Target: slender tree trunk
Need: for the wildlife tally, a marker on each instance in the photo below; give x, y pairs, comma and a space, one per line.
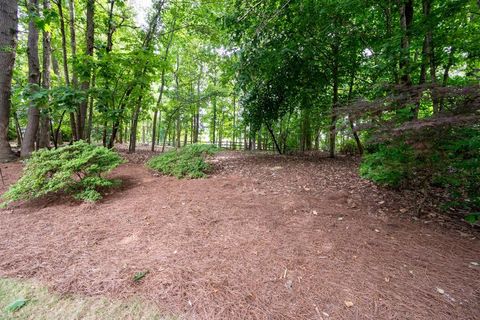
8, 46
73, 46
269, 128
406, 20
350, 119
44, 132
234, 122
28, 145
133, 129
197, 111
83, 132
333, 121
214, 103
90, 114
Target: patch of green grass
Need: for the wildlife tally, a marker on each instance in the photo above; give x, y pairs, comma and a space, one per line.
187, 162
41, 304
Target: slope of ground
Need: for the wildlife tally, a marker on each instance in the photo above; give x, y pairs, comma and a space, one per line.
265, 237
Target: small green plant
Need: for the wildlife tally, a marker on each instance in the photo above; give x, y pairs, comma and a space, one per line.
75, 169
137, 277
390, 165
187, 162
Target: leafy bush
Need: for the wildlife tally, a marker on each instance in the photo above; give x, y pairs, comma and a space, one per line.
187, 162
448, 159
389, 165
75, 169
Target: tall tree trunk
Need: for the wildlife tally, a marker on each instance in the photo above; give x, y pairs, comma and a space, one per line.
28, 144
44, 132
197, 111
82, 131
8, 47
214, 103
406, 20
90, 114
350, 119
333, 120
234, 122
133, 128
73, 47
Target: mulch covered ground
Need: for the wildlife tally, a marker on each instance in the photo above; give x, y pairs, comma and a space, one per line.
264, 237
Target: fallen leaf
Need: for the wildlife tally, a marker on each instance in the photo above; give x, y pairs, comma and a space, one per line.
441, 291
139, 276
16, 305
349, 304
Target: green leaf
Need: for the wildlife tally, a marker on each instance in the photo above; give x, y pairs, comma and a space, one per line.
139, 276
16, 305
473, 217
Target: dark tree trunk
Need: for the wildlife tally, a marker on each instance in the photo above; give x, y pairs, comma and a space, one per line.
28, 145
333, 121
406, 20
44, 132
83, 132
8, 41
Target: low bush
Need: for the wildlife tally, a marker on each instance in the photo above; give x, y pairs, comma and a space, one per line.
187, 162
75, 169
448, 159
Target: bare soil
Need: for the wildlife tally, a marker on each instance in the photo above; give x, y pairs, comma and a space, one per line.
264, 237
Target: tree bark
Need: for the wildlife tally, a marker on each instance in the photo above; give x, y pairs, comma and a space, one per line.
44, 132
28, 145
8, 46
406, 20
333, 120
82, 130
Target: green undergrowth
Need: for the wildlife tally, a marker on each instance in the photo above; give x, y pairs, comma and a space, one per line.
75, 169
22, 300
187, 162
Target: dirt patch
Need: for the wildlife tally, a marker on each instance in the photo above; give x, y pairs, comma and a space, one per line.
265, 237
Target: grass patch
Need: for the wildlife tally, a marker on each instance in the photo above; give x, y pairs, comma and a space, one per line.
44, 305
187, 162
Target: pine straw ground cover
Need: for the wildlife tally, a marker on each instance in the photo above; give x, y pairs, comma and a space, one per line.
263, 237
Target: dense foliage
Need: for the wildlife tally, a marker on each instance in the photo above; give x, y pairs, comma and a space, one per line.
187, 162
76, 169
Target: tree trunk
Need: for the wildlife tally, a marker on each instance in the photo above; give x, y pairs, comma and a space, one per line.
73, 47
133, 129
333, 122
28, 145
406, 20
90, 115
83, 133
44, 132
8, 43
197, 111
234, 122
214, 103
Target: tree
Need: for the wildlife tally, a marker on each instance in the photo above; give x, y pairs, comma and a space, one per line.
28, 145
8, 43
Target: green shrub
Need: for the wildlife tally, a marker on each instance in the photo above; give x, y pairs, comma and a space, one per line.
187, 162
75, 169
448, 159
389, 165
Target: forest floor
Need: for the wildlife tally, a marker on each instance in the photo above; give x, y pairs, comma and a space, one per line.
263, 237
